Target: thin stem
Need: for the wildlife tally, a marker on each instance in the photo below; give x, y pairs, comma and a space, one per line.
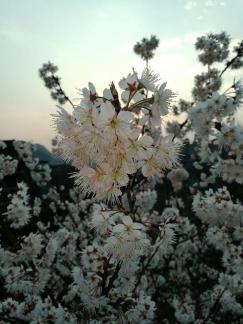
69, 101
105, 275
228, 89
181, 126
213, 311
105, 99
131, 95
228, 65
139, 103
144, 268
12, 320
61, 90
187, 239
113, 278
129, 198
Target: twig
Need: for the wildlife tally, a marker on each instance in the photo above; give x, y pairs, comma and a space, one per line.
140, 103
144, 268
61, 90
129, 198
228, 65
181, 126
13, 320
213, 311
113, 278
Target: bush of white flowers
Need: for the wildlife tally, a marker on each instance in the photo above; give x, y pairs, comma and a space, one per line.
152, 229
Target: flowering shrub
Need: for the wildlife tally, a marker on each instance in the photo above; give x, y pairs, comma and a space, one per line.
152, 230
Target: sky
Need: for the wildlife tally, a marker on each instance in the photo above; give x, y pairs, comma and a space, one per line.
93, 41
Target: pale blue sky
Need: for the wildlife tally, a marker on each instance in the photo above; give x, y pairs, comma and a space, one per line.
92, 41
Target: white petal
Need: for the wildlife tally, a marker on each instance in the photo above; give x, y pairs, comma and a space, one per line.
107, 112
125, 95
127, 220
85, 92
134, 134
162, 87
125, 116
119, 228
138, 226
92, 88
123, 84
107, 94
145, 140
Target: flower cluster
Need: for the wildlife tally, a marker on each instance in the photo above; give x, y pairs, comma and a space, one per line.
214, 48
8, 166
41, 173
217, 208
18, 211
109, 143
146, 47
177, 176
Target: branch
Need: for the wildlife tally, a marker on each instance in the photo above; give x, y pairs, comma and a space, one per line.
113, 278
144, 268
13, 320
62, 91
228, 64
140, 103
181, 126
213, 311
129, 198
